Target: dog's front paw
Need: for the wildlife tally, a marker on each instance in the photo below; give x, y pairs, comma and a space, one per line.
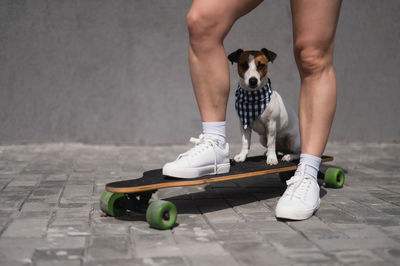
271, 159
287, 158
241, 157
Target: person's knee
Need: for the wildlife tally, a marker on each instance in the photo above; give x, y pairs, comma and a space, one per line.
312, 59
203, 26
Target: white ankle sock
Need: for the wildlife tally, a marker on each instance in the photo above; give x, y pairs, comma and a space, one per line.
216, 130
312, 165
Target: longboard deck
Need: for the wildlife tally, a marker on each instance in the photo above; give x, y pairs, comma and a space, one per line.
154, 179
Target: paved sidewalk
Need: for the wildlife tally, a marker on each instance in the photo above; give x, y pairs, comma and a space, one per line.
49, 212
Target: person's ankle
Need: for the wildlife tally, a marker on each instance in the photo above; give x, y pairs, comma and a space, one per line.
217, 131
311, 163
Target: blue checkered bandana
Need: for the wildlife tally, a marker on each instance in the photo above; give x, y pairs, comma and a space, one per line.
251, 104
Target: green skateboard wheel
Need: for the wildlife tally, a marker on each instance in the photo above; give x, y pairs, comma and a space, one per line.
334, 178
113, 203
161, 214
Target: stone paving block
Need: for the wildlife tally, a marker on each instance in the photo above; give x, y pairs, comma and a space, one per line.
84, 166
357, 210
37, 206
335, 216
3, 223
20, 228
355, 243
185, 234
15, 262
383, 220
46, 166
148, 244
390, 197
164, 261
291, 246
218, 211
68, 230
108, 247
19, 249
226, 215
3, 164
191, 220
6, 213
389, 254
55, 184
393, 231
313, 258
76, 194
246, 205
7, 203
77, 215
221, 260
260, 226
130, 166
46, 194
360, 230
24, 191
55, 177
315, 228
81, 179
255, 253
202, 249
233, 236
65, 242
40, 215
58, 256
391, 210
114, 262
109, 229
24, 181
259, 216
4, 183
98, 217
358, 256
280, 235
58, 263
395, 188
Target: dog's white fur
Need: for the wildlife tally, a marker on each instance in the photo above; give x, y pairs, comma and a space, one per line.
278, 125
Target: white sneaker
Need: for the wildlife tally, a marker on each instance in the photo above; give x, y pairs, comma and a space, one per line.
205, 158
301, 198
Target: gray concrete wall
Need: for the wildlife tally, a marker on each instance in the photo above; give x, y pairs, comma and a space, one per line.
116, 71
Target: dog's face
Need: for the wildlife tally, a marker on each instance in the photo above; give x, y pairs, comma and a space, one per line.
252, 66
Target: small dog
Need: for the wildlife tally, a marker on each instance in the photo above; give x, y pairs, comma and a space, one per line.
262, 109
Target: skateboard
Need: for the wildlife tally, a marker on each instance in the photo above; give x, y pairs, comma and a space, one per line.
135, 194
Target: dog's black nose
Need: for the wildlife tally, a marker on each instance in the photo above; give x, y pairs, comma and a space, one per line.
253, 82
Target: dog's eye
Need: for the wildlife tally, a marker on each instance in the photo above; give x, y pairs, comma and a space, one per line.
245, 65
260, 66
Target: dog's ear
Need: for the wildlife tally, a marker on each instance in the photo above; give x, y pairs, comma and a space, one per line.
234, 57
269, 54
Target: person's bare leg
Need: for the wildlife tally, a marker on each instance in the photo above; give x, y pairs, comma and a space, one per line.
314, 26
208, 23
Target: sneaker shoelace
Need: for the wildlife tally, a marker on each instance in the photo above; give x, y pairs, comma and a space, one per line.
298, 185
201, 144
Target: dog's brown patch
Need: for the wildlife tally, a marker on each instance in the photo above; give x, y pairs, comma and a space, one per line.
260, 60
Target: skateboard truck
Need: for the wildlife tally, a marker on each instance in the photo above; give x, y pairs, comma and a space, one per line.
159, 214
